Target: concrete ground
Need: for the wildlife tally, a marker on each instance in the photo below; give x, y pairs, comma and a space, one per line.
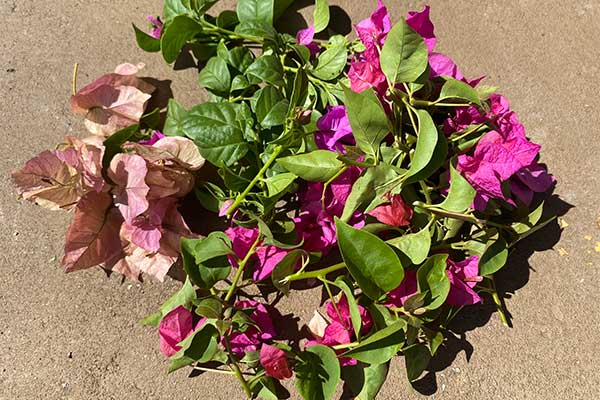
76, 337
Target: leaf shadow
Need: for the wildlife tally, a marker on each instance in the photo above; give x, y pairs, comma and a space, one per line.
508, 280
293, 20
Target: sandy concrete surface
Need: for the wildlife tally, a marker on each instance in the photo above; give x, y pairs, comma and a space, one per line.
76, 337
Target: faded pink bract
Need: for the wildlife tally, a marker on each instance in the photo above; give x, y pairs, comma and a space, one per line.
113, 101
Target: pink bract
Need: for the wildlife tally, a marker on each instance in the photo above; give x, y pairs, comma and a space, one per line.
421, 23
407, 288
394, 213
251, 339
275, 362
463, 277
334, 130
176, 326
339, 330
305, 37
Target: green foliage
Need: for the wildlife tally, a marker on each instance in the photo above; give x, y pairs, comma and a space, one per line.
218, 129
318, 373
176, 34
145, 41
381, 346
431, 277
316, 166
371, 262
370, 123
205, 260
215, 76
404, 54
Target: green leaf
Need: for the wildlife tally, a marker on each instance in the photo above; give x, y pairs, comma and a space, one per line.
145, 41
279, 183
255, 11
174, 8
532, 219
271, 107
415, 245
150, 120
202, 6
286, 267
112, 144
218, 131
175, 116
209, 307
176, 34
321, 15
256, 29
370, 124
267, 68
268, 388
318, 374
455, 89
404, 55
239, 58
494, 257
316, 166
365, 188
435, 340
427, 142
372, 263
365, 381
199, 347
239, 82
417, 359
461, 193
299, 91
381, 346
215, 76
346, 287
279, 8
432, 276
331, 62
227, 19
205, 260
183, 297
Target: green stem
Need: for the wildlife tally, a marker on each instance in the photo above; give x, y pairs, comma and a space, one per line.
315, 274
310, 77
236, 368
331, 298
425, 192
344, 346
219, 371
333, 178
468, 132
498, 303
232, 35
426, 103
240, 198
240, 270
455, 215
410, 114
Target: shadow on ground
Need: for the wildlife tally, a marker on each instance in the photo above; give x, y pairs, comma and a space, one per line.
508, 280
